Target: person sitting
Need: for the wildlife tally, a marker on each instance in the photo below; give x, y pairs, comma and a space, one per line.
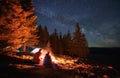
47, 61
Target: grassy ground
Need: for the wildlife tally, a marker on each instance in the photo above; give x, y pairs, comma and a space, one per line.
12, 67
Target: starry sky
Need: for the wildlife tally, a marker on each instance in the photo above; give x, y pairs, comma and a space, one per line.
99, 19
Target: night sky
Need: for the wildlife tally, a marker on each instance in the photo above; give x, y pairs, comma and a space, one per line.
99, 19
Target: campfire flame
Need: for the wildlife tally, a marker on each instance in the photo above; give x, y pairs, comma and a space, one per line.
62, 61
42, 56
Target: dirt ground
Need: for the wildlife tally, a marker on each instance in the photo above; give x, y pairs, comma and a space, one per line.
11, 67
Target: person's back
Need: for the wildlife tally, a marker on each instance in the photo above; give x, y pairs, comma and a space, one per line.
47, 60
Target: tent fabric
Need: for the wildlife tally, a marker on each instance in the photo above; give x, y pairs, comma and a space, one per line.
36, 58
35, 50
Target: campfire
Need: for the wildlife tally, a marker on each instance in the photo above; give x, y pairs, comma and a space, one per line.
60, 61
43, 54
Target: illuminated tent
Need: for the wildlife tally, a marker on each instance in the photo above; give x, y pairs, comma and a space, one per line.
37, 53
41, 56
35, 50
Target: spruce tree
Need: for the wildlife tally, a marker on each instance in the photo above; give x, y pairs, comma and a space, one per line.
18, 20
54, 41
40, 35
67, 43
45, 35
60, 44
79, 43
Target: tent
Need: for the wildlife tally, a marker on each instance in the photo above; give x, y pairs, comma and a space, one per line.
35, 50
28, 49
37, 53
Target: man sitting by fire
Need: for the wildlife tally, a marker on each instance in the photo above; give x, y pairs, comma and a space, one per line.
44, 58
47, 61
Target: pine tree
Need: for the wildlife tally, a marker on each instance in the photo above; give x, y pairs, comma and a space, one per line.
54, 41
60, 44
67, 43
45, 35
40, 35
48, 47
19, 21
79, 44
85, 49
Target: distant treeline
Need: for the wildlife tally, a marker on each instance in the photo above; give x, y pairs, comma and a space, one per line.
67, 44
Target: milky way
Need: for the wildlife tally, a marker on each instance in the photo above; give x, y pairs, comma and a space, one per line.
99, 19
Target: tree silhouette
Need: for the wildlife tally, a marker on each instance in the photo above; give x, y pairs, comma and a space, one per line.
60, 44
67, 43
75, 45
40, 35
54, 41
45, 35
79, 45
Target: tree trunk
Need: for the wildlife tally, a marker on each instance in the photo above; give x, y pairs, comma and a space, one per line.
24, 47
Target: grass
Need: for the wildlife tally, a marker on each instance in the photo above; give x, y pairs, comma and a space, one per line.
13, 66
